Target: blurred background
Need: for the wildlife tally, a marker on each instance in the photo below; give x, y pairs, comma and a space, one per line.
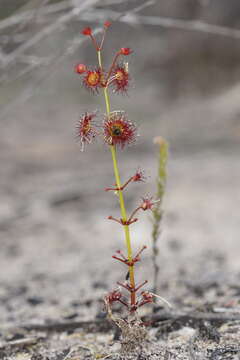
56, 243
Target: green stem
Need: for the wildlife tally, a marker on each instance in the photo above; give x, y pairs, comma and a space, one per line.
121, 202
107, 101
120, 195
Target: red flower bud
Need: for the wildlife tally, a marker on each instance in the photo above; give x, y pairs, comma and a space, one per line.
107, 24
125, 51
80, 68
87, 31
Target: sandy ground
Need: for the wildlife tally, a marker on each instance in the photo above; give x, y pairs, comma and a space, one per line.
56, 242
56, 246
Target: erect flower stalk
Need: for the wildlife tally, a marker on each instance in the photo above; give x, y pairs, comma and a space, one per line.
117, 132
120, 190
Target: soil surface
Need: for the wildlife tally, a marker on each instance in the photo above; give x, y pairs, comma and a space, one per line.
56, 241
56, 248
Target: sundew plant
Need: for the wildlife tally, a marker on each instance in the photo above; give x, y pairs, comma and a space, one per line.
117, 132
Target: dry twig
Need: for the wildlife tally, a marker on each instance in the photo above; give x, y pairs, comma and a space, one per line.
21, 343
9, 59
77, 41
171, 23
